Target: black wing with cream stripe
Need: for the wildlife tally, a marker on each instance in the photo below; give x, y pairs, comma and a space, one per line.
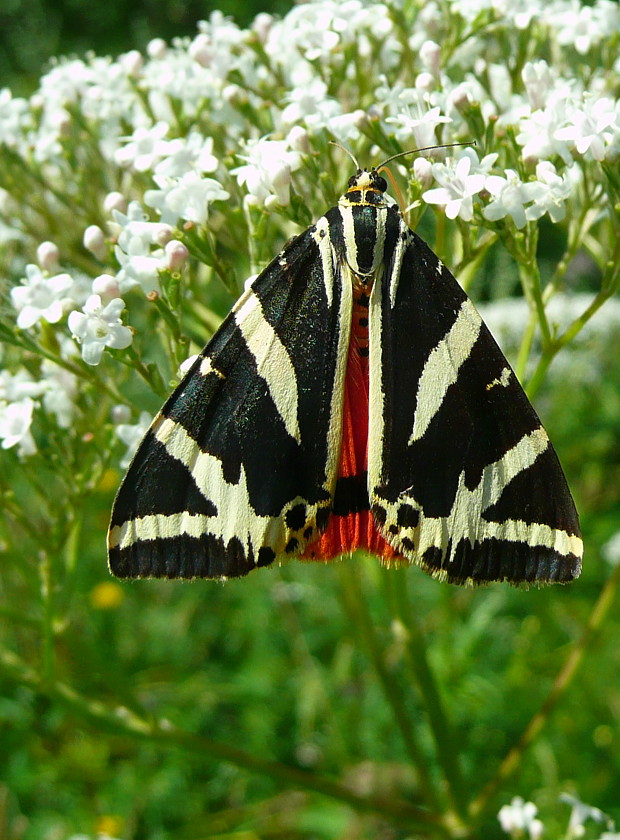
240, 465
463, 478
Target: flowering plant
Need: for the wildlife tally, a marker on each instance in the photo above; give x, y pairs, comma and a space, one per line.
138, 193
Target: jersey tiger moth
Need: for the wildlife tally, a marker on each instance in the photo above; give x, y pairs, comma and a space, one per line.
352, 399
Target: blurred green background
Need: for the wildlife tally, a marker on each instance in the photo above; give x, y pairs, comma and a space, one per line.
33, 31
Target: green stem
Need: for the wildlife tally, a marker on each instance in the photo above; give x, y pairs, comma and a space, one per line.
24, 341
417, 662
122, 721
47, 598
559, 688
567, 336
530, 279
526, 347
355, 603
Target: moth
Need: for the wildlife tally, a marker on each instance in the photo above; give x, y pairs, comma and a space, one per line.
352, 399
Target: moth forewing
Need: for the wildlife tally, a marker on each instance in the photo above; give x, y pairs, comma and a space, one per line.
352, 399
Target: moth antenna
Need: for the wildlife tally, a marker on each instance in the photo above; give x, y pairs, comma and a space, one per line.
423, 149
346, 151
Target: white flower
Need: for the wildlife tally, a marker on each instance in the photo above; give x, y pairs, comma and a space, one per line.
520, 12
61, 389
346, 127
187, 197
457, 190
98, 326
582, 26
423, 171
430, 54
580, 812
419, 121
156, 48
94, 241
145, 148
588, 129
311, 105
318, 31
106, 286
140, 249
131, 435
520, 816
538, 80
15, 387
268, 170
194, 152
115, 201
610, 551
551, 194
298, 139
40, 297
538, 131
15, 116
15, 422
510, 195
186, 364
48, 256
175, 255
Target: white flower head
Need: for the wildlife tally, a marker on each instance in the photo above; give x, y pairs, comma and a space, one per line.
61, 389
346, 127
40, 297
15, 422
551, 193
583, 26
458, 187
538, 132
592, 127
538, 80
140, 249
310, 104
510, 195
268, 170
131, 434
610, 551
184, 154
423, 171
520, 817
186, 364
145, 148
580, 812
17, 386
187, 197
106, 286
94, 240
98, 326
48, 256
419, 121
176, 255
430, 54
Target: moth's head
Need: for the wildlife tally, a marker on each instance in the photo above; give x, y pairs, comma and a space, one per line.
365, 179
365, 187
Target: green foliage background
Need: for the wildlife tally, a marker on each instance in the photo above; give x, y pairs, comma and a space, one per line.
33, 31
302, 702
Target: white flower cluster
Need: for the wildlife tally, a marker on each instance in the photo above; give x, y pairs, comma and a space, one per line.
194, 143
520, 820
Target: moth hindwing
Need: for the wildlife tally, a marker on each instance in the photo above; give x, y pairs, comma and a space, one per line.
353, 398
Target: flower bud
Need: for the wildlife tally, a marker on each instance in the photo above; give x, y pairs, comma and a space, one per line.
94, 241
48, 256
176, 255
